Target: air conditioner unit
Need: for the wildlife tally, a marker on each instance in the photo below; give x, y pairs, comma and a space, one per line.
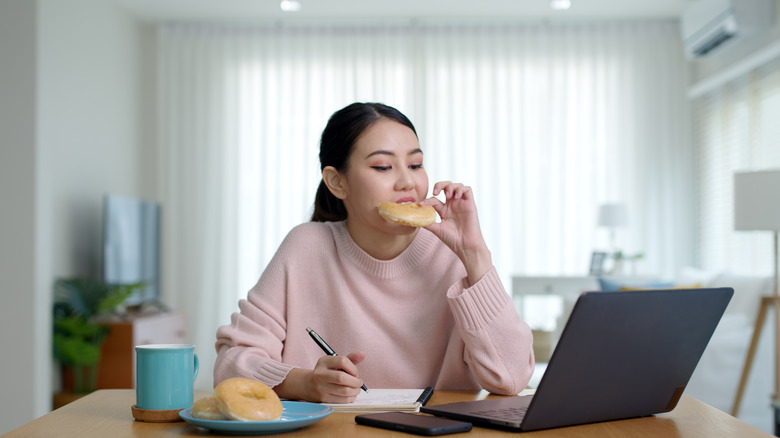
710, 25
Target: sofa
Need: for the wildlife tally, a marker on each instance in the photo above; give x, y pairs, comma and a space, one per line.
717, 376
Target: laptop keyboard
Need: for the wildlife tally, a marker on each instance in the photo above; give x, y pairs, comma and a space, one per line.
508, 414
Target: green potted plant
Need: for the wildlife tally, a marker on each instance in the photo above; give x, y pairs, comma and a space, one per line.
78, 337
620, 259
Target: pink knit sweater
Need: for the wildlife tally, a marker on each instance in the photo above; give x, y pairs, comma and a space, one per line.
414, 317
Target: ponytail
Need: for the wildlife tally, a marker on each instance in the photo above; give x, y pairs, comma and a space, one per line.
327, 208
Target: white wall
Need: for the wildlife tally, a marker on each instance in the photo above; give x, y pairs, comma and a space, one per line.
89, 122
20, 332
71, 106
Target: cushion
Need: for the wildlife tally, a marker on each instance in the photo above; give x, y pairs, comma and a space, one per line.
748, 291
657, 286
614, 285
691, 275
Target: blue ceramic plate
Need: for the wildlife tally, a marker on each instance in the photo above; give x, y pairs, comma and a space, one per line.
294, 416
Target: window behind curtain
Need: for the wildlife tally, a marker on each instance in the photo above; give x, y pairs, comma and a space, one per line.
737, 128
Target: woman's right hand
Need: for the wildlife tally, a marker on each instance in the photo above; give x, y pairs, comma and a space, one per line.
334, 379
459, 227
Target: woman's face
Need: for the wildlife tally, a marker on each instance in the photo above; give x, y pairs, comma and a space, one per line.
386, 164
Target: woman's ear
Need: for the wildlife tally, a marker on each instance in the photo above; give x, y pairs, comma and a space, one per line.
335, 182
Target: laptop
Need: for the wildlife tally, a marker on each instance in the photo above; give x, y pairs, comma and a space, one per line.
621, 355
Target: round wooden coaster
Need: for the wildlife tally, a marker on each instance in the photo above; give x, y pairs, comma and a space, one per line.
156, 416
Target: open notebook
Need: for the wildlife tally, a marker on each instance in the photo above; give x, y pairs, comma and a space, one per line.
386, 400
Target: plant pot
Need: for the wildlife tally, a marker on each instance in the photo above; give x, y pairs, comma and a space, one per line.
61, 399
79, 379
777, 418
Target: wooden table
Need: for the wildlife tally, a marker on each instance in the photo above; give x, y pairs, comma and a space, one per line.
106, 413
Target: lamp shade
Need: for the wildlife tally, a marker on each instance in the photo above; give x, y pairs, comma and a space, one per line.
757, 200
613, 215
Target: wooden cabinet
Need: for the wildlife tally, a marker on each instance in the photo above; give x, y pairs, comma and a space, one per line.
117, 364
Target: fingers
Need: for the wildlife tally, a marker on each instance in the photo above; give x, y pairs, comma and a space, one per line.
452, 191
458, 199
336, 378
356, 358
342, 364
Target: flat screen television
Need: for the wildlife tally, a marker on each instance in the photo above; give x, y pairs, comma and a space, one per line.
131, 245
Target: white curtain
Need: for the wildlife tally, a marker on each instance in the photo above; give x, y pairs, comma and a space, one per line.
737, 129
545, 122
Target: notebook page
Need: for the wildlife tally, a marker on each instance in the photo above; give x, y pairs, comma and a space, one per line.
382, 400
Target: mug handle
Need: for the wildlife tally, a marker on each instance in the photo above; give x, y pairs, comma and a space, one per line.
196, 368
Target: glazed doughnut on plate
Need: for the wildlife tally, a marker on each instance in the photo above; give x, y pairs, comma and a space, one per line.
245, 399
407, 213
207, 409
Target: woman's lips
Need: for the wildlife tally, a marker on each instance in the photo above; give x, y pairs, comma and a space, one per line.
406, 199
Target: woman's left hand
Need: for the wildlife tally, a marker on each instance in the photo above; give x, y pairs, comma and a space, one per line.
459, 227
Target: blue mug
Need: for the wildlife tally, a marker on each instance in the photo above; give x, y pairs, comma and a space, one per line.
165, 375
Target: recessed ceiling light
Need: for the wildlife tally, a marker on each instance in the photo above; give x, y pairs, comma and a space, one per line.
560, 4
290, 5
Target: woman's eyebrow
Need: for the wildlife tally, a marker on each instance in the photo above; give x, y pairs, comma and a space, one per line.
385, 152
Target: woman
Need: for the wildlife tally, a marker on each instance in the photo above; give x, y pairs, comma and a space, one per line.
417, 307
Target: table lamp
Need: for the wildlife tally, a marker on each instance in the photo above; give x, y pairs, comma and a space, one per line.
757, 207
613, 216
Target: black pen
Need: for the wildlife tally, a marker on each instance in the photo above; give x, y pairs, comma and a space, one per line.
425, 396
326, 348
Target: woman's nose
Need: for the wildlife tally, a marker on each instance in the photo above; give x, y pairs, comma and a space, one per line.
405, 180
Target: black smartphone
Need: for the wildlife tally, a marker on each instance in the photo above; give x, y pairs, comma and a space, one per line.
413, 423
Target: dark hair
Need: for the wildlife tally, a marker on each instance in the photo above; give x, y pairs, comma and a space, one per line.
344, 127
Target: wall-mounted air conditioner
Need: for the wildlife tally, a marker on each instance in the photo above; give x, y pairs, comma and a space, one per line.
710, 25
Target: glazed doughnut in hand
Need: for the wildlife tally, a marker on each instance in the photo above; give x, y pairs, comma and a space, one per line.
407, 213
247, 400
206, 408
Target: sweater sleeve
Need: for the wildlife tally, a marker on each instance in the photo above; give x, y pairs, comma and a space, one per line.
498, 344
252, 345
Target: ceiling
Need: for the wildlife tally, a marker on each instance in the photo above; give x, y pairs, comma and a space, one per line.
232, 10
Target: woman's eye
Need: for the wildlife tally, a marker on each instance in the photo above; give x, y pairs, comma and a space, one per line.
416, 166
381, 168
